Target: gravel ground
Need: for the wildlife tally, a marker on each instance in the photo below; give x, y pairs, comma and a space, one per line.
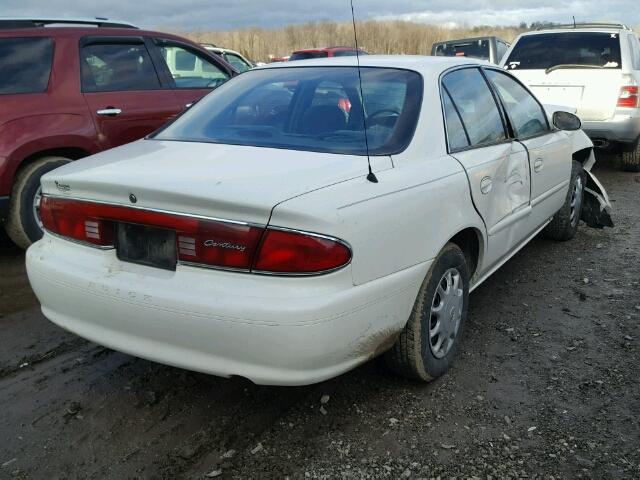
546, 386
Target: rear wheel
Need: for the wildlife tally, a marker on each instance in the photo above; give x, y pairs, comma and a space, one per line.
631, 159
23, 222
429, 342
565, 223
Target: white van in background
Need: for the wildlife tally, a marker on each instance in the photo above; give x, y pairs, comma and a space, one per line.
593, 68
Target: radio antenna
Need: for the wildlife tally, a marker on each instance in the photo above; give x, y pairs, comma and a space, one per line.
370, 176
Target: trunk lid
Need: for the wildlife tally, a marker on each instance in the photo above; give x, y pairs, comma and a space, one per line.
592, 92
224, 181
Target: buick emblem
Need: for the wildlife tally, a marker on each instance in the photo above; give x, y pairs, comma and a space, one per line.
62, 187
133, 198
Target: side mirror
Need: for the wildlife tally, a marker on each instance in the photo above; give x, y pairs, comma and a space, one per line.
566, 121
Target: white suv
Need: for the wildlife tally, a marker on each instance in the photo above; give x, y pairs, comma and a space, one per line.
593, 68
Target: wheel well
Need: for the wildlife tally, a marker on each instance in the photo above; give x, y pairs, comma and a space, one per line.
582, 155
469, 242
72, 153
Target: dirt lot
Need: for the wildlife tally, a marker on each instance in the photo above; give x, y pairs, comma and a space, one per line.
546, 387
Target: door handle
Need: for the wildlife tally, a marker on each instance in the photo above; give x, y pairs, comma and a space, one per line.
109, 112
486, 184
537, 165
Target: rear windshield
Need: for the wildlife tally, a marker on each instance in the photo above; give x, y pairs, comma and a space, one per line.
25, 64
544, 51
307, 55
473, 48
308, 108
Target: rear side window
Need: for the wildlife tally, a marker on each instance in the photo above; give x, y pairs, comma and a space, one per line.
478, 109
456, 136
572, 49
526, 115
117, 67
25, 65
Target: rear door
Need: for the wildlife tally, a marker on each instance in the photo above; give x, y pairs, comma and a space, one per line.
122, 89
190, 73
496, 165
549, 149
582, 70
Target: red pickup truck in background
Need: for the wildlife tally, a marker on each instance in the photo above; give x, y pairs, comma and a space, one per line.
69, 91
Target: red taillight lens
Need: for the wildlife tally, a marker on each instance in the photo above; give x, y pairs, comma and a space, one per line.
200, 241
300, 253
629, 97
70, 219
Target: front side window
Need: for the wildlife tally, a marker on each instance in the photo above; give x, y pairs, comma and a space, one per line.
501, 49
117, 67
315, 109
190, 69
25, 65
473, 98
527, 117
569, 50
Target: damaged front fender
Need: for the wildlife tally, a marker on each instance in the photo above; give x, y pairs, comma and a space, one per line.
596, 209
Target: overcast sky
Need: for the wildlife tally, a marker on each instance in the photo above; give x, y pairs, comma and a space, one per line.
229, 14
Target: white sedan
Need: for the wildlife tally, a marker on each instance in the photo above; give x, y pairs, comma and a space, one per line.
282, 231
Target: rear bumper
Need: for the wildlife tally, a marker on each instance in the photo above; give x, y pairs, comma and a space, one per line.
624, 128
272, 330
4, 208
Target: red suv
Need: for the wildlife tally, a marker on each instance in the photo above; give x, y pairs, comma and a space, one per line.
69, 91
325, 53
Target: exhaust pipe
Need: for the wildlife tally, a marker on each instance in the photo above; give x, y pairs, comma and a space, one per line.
600, 143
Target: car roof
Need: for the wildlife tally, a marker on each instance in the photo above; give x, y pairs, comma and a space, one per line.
470, 39
407, 62
602, 29
326, 49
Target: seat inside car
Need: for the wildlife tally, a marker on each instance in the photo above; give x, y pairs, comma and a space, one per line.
323, 119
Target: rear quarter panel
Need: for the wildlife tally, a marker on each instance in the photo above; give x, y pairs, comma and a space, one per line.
403, 220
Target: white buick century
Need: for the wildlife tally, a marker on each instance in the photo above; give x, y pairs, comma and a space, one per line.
308, 216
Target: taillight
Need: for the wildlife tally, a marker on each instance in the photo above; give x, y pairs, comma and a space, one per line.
201, 241
70, 219
629, 97
291, 252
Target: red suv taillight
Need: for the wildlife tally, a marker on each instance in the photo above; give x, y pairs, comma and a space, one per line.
629, 97
201, 241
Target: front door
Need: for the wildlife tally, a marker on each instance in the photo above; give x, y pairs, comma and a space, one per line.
123, 90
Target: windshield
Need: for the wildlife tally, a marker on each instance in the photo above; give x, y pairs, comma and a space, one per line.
464, 48
308, 108
544, 51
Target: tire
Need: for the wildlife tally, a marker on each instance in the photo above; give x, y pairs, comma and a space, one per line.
564, 224
414, 356
22, 223
630, 160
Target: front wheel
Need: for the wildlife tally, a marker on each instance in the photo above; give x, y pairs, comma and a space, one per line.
23, 223
564, 224
428, 344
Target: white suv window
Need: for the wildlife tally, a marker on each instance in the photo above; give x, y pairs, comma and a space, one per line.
543, 51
